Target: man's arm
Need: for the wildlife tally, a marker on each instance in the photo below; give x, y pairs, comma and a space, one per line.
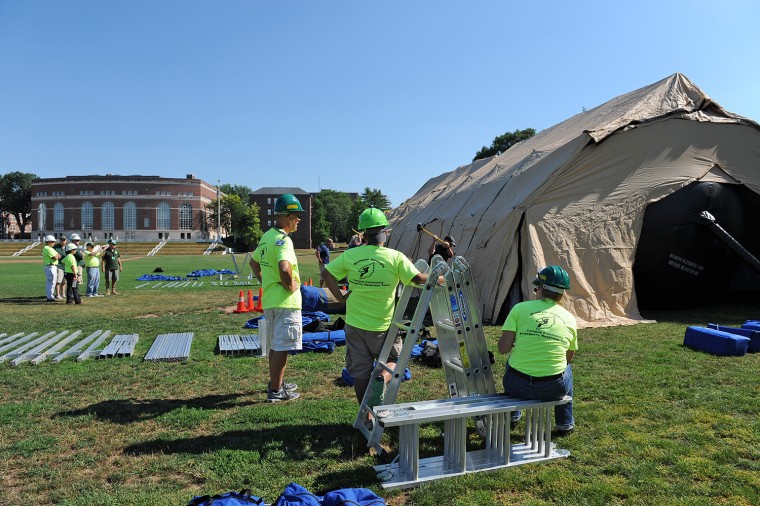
431, 249
319, 258
569, 355
506, 341
332, 285
286, 276
256, 269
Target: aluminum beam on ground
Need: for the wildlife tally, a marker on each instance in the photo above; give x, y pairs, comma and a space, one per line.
20, 350
170, 348
55, 349
92, 350
77, 348
34, 352
140, 286
18, 342
157, 284
122, 345
127, 348
10, 338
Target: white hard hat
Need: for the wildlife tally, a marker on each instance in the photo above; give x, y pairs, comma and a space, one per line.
49, 238
70, 247
75, 237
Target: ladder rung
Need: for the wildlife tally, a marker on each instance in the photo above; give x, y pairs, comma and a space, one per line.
385, 367
402, 326
445, 325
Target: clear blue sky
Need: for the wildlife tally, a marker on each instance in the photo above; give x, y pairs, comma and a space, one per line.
336, 94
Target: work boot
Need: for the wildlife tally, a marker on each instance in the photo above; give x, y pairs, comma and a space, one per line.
281, 395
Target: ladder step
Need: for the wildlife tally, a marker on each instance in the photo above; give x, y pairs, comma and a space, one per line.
385, 367
402, 326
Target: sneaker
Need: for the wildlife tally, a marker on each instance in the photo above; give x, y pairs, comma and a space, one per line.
281, 395
97, 295
290, 387
563, 432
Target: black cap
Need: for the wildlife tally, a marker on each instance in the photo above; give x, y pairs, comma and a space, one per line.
450, 240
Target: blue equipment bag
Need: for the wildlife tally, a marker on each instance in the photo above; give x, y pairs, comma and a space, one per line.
754, 340
716, 341
295, 495
242, 498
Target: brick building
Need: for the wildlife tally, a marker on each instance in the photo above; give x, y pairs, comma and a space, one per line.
136, 208
265, 198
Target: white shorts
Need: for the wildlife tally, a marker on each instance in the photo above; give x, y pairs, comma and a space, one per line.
284, 329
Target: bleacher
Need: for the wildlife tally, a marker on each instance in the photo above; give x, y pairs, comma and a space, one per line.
9, 248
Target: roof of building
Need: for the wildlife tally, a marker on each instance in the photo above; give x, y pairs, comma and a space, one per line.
279, 190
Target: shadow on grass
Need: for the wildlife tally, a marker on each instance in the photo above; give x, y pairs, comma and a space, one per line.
27, 301
296, 443
134, 410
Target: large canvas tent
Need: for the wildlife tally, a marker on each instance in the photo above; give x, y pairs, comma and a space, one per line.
576, 195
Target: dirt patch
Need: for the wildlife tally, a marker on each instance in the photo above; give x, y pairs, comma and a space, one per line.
149, 315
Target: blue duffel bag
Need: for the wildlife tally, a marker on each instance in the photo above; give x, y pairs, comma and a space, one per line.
716, 341
242, 498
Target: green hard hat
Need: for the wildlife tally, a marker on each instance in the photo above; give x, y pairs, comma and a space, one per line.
372, 218
553, 275
287, 203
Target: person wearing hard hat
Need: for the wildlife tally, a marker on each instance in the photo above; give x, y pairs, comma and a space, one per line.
50, 265
274, 264
373, 273
111, 266
92, 265
542, 338
73, 275
60, 284
79, 255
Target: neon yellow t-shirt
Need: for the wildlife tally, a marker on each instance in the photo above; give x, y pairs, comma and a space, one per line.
48, 255
544, 331
91, 259
69, 262
373, 273
274, 246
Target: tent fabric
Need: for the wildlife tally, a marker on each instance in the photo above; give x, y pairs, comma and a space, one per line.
575, 195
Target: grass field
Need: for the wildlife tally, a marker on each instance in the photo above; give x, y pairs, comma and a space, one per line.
657, 423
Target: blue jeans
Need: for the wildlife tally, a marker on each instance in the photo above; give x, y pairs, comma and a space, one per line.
93, 280
551, 390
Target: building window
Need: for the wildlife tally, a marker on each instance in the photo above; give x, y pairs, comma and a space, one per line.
269, 212
269, 223
269, 200
86, 216
42, 217
146, 223
58, 216
163, 216
186, 216
106, 216
130, 216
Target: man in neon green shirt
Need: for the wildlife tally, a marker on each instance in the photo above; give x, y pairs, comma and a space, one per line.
373, 273
275, 265
92, 264
50, 265
542, 336
73, 274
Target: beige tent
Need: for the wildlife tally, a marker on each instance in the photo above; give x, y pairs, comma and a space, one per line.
575, 195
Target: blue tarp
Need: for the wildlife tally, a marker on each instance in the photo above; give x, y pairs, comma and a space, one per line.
209, 272
159, 277
294, 494
313, 298
322, 341
306, 318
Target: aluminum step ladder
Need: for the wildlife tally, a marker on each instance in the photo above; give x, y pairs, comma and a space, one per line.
408, 330
461, 341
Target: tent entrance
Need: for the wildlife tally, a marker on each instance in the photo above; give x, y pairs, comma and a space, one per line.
680, 262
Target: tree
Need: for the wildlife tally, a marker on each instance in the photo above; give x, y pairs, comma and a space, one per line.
239, 219
240, 190
332, 216
503, 142
16, 196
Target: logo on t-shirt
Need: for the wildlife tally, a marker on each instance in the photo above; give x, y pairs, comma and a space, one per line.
262, 252
366, 271
545, 322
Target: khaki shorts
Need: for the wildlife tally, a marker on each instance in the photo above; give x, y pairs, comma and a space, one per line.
60, 280
284, 329
363, 347
112, 275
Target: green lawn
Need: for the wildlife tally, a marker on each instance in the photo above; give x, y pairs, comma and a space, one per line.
657, 423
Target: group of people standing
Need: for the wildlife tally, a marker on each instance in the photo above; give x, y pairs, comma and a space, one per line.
540, 335
66, 261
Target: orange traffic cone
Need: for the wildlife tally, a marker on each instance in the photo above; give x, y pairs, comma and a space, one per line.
249, 306
259, 308
241, 304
